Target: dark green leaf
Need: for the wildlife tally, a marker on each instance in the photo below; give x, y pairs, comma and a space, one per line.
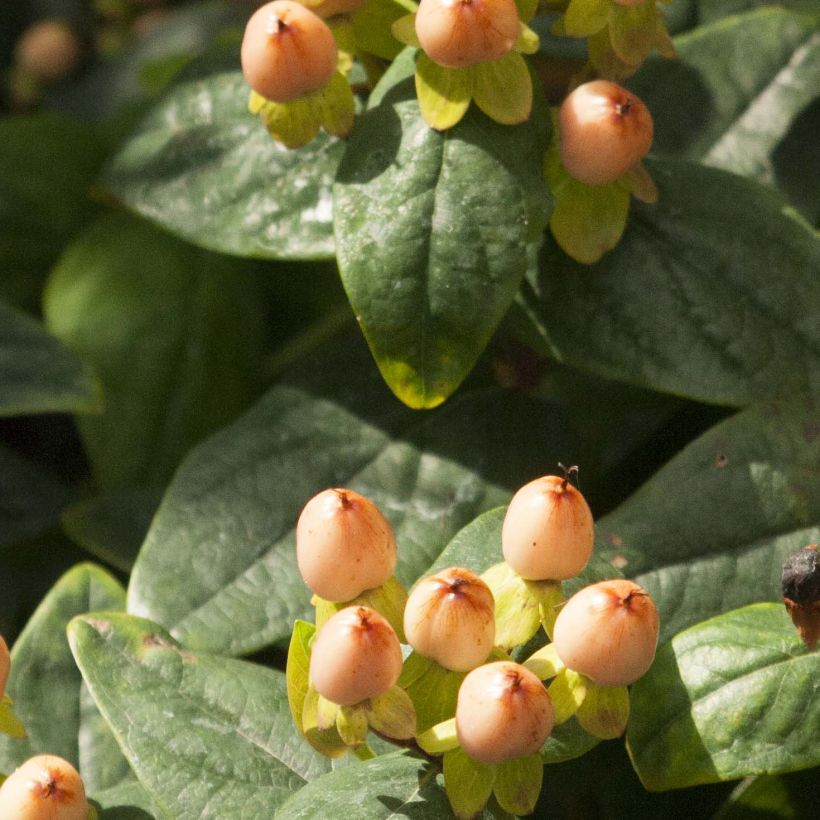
30, 499
207, 736
733, 696
37, 374
710, 531
773, 797
394, 785
47, 688
713, 293
127, 801
432, 231
204, 168
218, 567
47, 165
174, 332
112, 526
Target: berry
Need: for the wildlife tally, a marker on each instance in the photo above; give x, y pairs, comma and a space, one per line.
548, 530
49, 51
503, 712
801, 593
458, 33
45, 787
608, 631
5, 664
344, 545
355, 656
449, 617
605, 130
287, 52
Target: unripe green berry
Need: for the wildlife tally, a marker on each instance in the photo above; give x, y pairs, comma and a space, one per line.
45, 787
548, 530
608, 631
503, 712
287, 52
355, 656
459, 33
605, 130
344, 545
450, 617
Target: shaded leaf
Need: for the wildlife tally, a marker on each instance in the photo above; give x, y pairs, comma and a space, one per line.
174, 332
37, 374
204, 734
204, 168
729, 697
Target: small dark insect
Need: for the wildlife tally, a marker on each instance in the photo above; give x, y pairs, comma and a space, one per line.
801, 592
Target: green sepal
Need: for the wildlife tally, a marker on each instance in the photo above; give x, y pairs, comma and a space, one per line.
544, 663
393, 714
92, 813
502, 89
351, 724
372, 26
640, 184
440, 739
604, 711
521, 606
444, 94
10, 724
325, 741
297, 670
633, 31
388, 600
518, 784
404, 30
526, 9
528, 41
469, 783
432, 688
587, 220
585, 17
327, 713
567, 693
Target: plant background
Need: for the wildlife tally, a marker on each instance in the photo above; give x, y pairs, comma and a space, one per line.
180, 369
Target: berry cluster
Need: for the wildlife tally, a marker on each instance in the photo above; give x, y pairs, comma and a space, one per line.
458, 692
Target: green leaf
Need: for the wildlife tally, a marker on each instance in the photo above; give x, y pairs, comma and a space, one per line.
386, 786
710, 530
715, 84
37, 374
127, 801
429, 261
47, 688
204, 734
112, 526
775, 797
330, 423
729, 697
743, 320
202, 167
47, 166
30, 498
174, 332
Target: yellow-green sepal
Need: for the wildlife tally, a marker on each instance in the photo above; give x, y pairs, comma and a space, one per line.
469, 783
502, 89
521, 607
567, 693
444, 94
604, 711
544, 663
10, 724
586, 220
528, 41
526, 9
635, 30
392, 714
351, 724
640, 184
297, 669
585, 17
432, 688
388, 600
404, 30
326, 741
93, 814
373, 26
440, 738
518, 784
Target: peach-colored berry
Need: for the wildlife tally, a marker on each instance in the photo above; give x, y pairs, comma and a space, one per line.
45, 787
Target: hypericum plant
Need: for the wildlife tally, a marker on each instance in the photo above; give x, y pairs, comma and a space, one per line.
45, 787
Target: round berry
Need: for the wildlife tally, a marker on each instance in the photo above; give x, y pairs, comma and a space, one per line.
355, 656
604, 131
45, 787
5, 665
548, 530
287, 52
344, 545
608, 631
503, 712
450, 617
49, 51
458, 33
